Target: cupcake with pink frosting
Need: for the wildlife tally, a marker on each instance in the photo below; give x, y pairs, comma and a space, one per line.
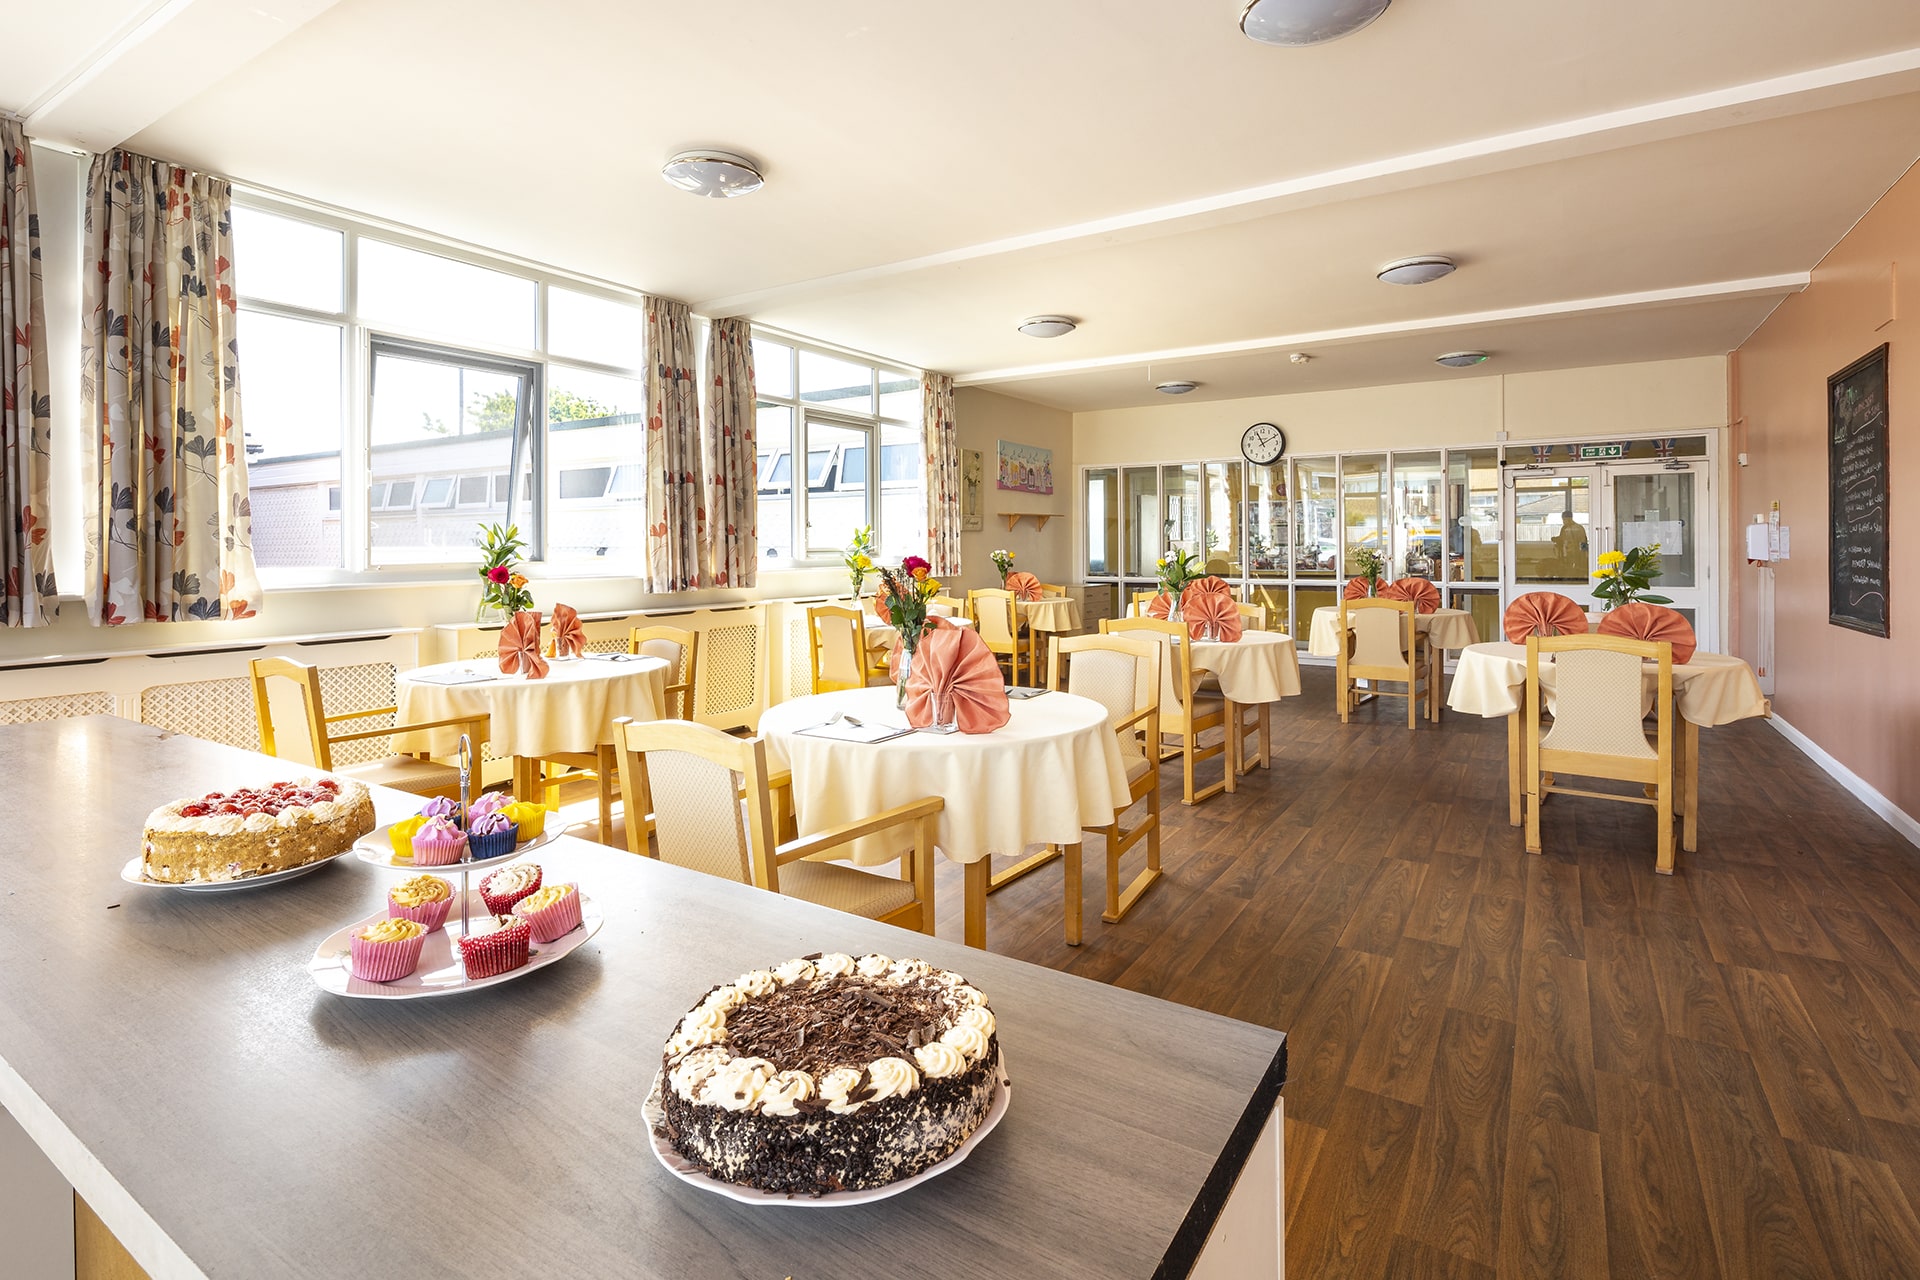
439, 843
491, 834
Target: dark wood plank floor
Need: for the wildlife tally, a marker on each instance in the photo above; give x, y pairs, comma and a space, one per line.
1564, 1065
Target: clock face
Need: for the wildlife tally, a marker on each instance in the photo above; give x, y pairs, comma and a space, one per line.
1263, 443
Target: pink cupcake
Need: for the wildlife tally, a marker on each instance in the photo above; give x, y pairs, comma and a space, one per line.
423, 899
386, 949
507, 886
439, 843
495, 945
552, 911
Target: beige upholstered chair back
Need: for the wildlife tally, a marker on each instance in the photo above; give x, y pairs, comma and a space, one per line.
1252, 616
1176, 669
946, 607
1599, 704
696, 815
1382, 631
1052, 589
680, 650
993, 615
839, 648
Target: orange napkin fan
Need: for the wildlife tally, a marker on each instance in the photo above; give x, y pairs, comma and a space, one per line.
520, 645
1208, 586
954, 676
1425, 596
1357, 589
569, 637
1023, 585
1211, 616
1546, 613
1161, 607
1652, 622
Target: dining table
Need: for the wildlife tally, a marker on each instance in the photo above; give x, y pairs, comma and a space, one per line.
1710, 689
1443, 628
1045, 618
1257, 670
1053, 770
570, 710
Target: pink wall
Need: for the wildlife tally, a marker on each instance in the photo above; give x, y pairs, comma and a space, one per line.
1858, 696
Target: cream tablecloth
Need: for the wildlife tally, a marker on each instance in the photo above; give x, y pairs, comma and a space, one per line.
1444, 628
1055, 614
1711, 689
572, 709
1053, 769
1261, 666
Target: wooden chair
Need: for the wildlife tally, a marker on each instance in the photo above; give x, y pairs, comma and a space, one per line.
417, 774
838, 648
1140, 601
1052, 589
681, 650
1598, 728
996, 616
947, 607
1382, 644
1184, 712
1253, 617
713, 812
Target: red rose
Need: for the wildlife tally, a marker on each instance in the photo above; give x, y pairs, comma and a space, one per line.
913, 564
499, 574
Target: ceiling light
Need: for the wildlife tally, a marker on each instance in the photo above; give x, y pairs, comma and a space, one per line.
1293, 23
1047, 326
1175, 388
1299, 357
1461, 359
1421, 270
719, 175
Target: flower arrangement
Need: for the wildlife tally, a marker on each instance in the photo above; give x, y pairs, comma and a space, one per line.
1624, 576
906, 592
1003, 561
1371, 564
859, 557
1176, 571
501, 547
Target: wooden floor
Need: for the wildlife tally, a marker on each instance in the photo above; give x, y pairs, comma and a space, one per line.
1561, 1065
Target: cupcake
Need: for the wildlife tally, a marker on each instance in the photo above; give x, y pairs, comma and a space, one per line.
401, 833
441, 807
491, 834
505, 887
438, 843
495, 945
386, 949
552, 911
529, 817
487, 802
423, 899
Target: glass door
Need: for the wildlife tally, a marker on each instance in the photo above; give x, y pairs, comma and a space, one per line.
1662, 503
1549, 528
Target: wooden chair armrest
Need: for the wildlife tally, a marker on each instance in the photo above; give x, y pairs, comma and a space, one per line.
834, 837
1129, 721
477, 723
359, 715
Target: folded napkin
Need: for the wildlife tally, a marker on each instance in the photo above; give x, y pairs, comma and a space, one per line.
520, 645
569, 637
1545, 613
1652, 622
1211, 616
956, 680
880, 600
1023, 585
1358, 589
1161, 607
1425, 596
1209, 584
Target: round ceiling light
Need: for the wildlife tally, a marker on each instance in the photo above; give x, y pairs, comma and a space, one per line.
1047, 326
1294, 23
719, 175
1422, 270
1175, 388
1461, 359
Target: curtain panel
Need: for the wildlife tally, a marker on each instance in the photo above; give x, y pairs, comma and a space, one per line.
26, 420
168, 524
677, 557
733, 496
943, 473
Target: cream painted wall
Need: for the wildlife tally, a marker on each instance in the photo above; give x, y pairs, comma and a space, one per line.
984, 418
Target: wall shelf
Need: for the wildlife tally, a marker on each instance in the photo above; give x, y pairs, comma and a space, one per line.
1039, 518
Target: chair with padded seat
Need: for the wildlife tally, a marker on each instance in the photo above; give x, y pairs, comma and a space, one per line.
1382, 643
713, 812
1185, 713
837, 645
418, 775
996, 617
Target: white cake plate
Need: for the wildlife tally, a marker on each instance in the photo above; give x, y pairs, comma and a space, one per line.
678, 1165
441, 972
376, 847
134, 873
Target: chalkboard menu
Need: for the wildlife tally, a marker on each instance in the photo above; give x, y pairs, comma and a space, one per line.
1857, 495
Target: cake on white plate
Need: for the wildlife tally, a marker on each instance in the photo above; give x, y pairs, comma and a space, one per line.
254, 831
829, 1073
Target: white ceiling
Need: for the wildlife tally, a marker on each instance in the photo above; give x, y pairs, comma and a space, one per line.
1621, 179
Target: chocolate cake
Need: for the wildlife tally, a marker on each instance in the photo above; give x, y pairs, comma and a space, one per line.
829, 1073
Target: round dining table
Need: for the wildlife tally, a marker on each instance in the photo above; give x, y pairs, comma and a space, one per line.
1257, 670
1444, 629
1045, 618
1053, 770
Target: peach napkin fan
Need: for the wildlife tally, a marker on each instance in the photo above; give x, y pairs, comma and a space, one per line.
1211, 616
569, 637
1161, 607
956, 680
1023, 585
1425, 596
520, 645
1212, 584
1357, 589
1641, 621
1546, 613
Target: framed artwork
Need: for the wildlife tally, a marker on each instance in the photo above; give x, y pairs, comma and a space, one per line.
973, 484
1025, 468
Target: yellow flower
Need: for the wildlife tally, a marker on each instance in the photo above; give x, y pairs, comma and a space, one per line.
862, 562
1603, 573
1162, 562
932, 588
518, 580
1613, 557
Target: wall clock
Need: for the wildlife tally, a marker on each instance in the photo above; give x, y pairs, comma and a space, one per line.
1263, 443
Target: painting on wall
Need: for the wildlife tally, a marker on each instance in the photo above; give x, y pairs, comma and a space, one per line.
973, 485
1025, 468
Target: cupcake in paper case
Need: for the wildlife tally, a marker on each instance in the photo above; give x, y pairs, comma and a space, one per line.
423, 899
441, 807
439, 843
401, 834
491, 834
552, 911
529, 817
386, 949
507, 886
495, 945
487, 802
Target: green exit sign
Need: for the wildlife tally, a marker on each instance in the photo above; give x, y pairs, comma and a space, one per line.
1590, 452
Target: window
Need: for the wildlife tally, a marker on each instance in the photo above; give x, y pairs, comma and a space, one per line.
585, 482
438, 493
294, 424
444, 298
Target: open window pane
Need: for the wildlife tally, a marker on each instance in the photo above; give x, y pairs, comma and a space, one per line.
834, 509
301, 264
596, 432
587, 327
426, 294
293, 439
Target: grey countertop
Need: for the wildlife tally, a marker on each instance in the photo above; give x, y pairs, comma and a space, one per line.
268, 1128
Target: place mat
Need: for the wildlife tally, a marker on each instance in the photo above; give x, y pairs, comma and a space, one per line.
852, 731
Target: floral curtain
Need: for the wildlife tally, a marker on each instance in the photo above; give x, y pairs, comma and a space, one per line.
733, 498
26, 420
169, 528
943, 473
677, 557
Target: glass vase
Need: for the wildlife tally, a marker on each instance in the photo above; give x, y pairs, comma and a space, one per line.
901, 676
